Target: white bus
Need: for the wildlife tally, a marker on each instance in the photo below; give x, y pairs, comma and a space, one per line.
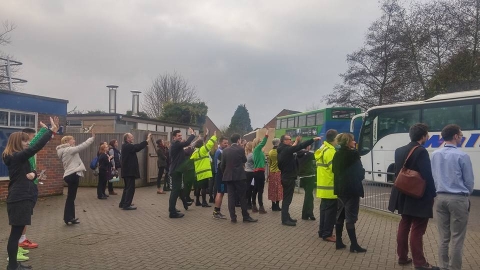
385, 128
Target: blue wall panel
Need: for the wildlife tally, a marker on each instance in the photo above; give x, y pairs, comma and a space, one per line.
31, 103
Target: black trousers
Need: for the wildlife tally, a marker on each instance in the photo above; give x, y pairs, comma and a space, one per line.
308, 186
328, 214
72, 182
102, 184
259, 187
110, 186
249, 192
12, 246
176, 191
288, 185
237, 187
159, 177
128, 192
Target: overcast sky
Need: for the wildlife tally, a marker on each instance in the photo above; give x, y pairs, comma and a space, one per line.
269, 55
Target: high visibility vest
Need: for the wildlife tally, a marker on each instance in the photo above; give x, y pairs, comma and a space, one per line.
324, 157
201, 160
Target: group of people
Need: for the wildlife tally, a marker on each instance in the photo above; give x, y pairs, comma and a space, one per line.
214, 166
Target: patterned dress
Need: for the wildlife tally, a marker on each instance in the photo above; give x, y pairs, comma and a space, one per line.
275, 189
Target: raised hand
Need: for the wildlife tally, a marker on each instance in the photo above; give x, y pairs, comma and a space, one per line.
53, 127
43, 125
149, 136
93, 133
206, 132
190, 130
56, 120
266, 133
317, 138
215, 133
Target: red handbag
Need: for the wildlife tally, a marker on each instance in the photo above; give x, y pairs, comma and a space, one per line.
410, 182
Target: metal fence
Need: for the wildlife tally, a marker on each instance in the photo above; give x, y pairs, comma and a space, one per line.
377, 195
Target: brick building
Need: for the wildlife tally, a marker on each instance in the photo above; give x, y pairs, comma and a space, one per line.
18, 111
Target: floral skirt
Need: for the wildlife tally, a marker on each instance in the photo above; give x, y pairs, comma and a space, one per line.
275, 189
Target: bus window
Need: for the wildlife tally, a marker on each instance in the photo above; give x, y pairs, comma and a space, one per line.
291, 122
343, 114
320, 118
311, 120
438, 118
302, 120
278, 124
283, 123
396, 122
365, 143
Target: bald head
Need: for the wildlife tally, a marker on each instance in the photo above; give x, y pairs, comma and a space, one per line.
128, 137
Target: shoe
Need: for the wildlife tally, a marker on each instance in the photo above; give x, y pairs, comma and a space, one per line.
160, 192
427, 266
332, 239
357, 249
73, 221
405, 262
293, 220
188, 199
254, 208
105, 195
261, 210
23, 251
166, 189
20, 267
249, 219
233, 220
312, 218
205, 204
102, 198
178, 211
218, 215
198, 203
176, 215
20, 257
289, 223
27, 244
185, 205
112, 193
130, 208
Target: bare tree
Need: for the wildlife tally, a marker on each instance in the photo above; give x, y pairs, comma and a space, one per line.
167, 88
5, 32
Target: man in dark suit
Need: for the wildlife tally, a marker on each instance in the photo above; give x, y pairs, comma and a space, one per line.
415, 212
233, 160
130, 170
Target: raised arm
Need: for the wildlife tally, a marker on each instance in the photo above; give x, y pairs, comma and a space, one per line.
82, 146
208, 145
33, 149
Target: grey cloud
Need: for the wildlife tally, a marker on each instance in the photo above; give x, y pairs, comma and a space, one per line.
269, 55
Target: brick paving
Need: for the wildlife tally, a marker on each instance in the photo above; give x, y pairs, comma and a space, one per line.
110, 238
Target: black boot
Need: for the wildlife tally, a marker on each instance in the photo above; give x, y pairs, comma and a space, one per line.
338, 231
353, 239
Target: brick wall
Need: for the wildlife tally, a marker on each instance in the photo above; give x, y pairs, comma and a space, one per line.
48, 160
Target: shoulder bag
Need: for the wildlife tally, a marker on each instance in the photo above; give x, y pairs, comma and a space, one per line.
410, 182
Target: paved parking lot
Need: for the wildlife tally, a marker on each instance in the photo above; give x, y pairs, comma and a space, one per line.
110, 238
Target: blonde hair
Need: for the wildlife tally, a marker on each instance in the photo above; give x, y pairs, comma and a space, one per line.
256, 142
248, 148
102, 148
344, 139
14, 143
66, 139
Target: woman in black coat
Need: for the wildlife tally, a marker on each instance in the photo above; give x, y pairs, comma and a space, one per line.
104, 170
348, 175
20, 198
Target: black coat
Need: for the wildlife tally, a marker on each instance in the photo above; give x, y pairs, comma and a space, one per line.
129, 159
20, 187
233, 160
104, 165
177, 154
286, 160
348, 173
306, 163
420, 162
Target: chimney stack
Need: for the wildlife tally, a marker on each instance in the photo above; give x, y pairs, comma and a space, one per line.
112, 98
135, 102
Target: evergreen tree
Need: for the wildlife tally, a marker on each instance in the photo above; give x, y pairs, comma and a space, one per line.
240, 122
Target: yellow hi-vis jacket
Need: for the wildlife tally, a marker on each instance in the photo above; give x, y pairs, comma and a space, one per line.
324, 157
201, 160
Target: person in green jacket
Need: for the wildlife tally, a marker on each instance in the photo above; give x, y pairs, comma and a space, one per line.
203, 168
259, 173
